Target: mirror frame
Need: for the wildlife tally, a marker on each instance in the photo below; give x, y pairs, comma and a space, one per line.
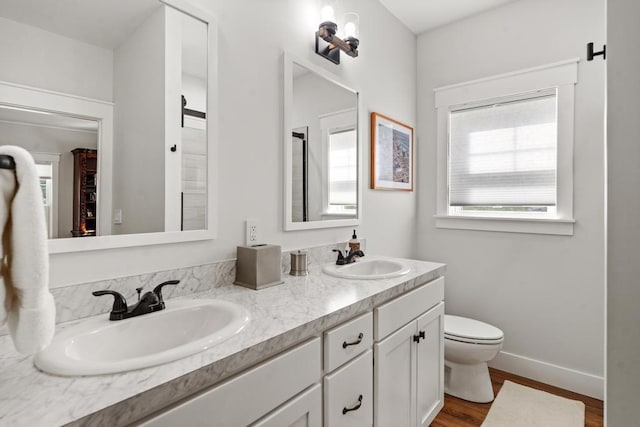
102, 112
289, 225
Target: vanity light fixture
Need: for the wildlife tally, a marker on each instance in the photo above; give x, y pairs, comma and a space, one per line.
328, 44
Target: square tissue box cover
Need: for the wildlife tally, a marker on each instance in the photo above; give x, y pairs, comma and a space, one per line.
259, 266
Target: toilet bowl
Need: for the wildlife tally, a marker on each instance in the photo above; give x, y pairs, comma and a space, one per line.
468, 345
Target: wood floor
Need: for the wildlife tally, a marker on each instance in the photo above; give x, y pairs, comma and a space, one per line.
460, 413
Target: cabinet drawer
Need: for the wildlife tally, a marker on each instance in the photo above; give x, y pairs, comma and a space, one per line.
346, 341
348, 394
397, 313
245, 398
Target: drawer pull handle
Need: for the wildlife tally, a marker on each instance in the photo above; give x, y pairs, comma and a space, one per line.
416, 338
358, 341
355, 408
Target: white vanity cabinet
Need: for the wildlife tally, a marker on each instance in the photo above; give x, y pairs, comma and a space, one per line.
409, 358
283, 391
382, 368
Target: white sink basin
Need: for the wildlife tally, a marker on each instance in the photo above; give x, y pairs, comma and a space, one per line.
368, 269
101, 346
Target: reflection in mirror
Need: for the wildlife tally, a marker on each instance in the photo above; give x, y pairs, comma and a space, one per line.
52, 140
149, 172
323, 160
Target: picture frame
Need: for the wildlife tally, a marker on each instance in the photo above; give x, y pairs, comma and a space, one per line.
391, 154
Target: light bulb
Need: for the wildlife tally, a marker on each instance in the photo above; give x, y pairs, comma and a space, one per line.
328, 14
350, 29
351, 24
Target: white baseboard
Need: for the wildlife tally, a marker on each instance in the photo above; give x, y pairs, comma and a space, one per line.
569, 379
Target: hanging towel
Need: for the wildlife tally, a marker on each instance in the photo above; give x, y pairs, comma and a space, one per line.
26, 304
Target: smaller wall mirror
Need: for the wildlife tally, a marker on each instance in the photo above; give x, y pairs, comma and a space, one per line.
321, 149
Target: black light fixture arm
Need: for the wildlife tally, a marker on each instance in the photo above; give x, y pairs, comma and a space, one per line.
327, 32
328, 45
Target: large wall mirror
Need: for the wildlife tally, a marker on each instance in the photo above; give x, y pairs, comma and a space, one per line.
321, 148
115, 100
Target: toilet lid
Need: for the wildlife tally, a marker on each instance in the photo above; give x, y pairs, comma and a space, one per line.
470, 329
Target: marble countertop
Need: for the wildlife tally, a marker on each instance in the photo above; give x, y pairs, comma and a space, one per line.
281, 316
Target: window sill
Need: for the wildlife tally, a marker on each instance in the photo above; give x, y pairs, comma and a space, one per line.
563, 227
340, 214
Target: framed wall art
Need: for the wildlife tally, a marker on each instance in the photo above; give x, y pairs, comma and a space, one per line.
391, 154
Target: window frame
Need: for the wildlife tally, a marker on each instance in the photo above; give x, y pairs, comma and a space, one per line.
561, 76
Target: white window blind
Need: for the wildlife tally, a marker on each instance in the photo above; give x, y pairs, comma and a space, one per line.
504, 153
343, 168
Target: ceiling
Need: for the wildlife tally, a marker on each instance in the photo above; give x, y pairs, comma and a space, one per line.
423, 15
97, 22
106, 23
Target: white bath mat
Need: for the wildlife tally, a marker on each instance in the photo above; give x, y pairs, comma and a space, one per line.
521, 406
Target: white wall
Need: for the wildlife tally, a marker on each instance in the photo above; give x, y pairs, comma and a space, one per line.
545, 292
139, 134
623, 233
38, 58
252, 37
52, 140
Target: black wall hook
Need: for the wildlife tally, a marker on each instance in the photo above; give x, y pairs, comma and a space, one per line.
591, 54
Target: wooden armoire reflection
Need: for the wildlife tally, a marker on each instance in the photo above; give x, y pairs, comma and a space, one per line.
85, 192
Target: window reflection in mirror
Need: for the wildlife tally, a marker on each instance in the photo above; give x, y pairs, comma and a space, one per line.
324, 155
343, 152
150, 66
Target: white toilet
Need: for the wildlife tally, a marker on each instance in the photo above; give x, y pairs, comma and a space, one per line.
468, 346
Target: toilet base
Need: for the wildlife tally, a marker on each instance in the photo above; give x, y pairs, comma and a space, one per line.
468, 382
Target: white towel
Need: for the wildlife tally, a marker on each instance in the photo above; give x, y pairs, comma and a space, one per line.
25, 301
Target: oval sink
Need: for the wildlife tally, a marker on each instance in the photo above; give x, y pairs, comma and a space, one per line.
368, 269
100, 346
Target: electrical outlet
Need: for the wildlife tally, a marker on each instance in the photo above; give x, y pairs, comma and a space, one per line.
117, 216
253, 232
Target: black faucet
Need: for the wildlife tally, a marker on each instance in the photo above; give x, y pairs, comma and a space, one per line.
148, 303
349, 259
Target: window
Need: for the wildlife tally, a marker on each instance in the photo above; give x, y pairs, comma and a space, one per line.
343, 167
339, 138
502, 157
505, 147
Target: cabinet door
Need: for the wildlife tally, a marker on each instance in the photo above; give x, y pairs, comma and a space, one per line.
394, 380
430, 365
304, 410
348, 394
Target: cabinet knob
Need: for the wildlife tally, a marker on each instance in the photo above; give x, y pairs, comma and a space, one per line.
358, 341
355, 408
416, 338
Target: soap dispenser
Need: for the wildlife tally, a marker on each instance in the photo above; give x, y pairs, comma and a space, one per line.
354, 243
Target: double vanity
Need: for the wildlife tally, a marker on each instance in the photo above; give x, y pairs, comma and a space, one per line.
298, 353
